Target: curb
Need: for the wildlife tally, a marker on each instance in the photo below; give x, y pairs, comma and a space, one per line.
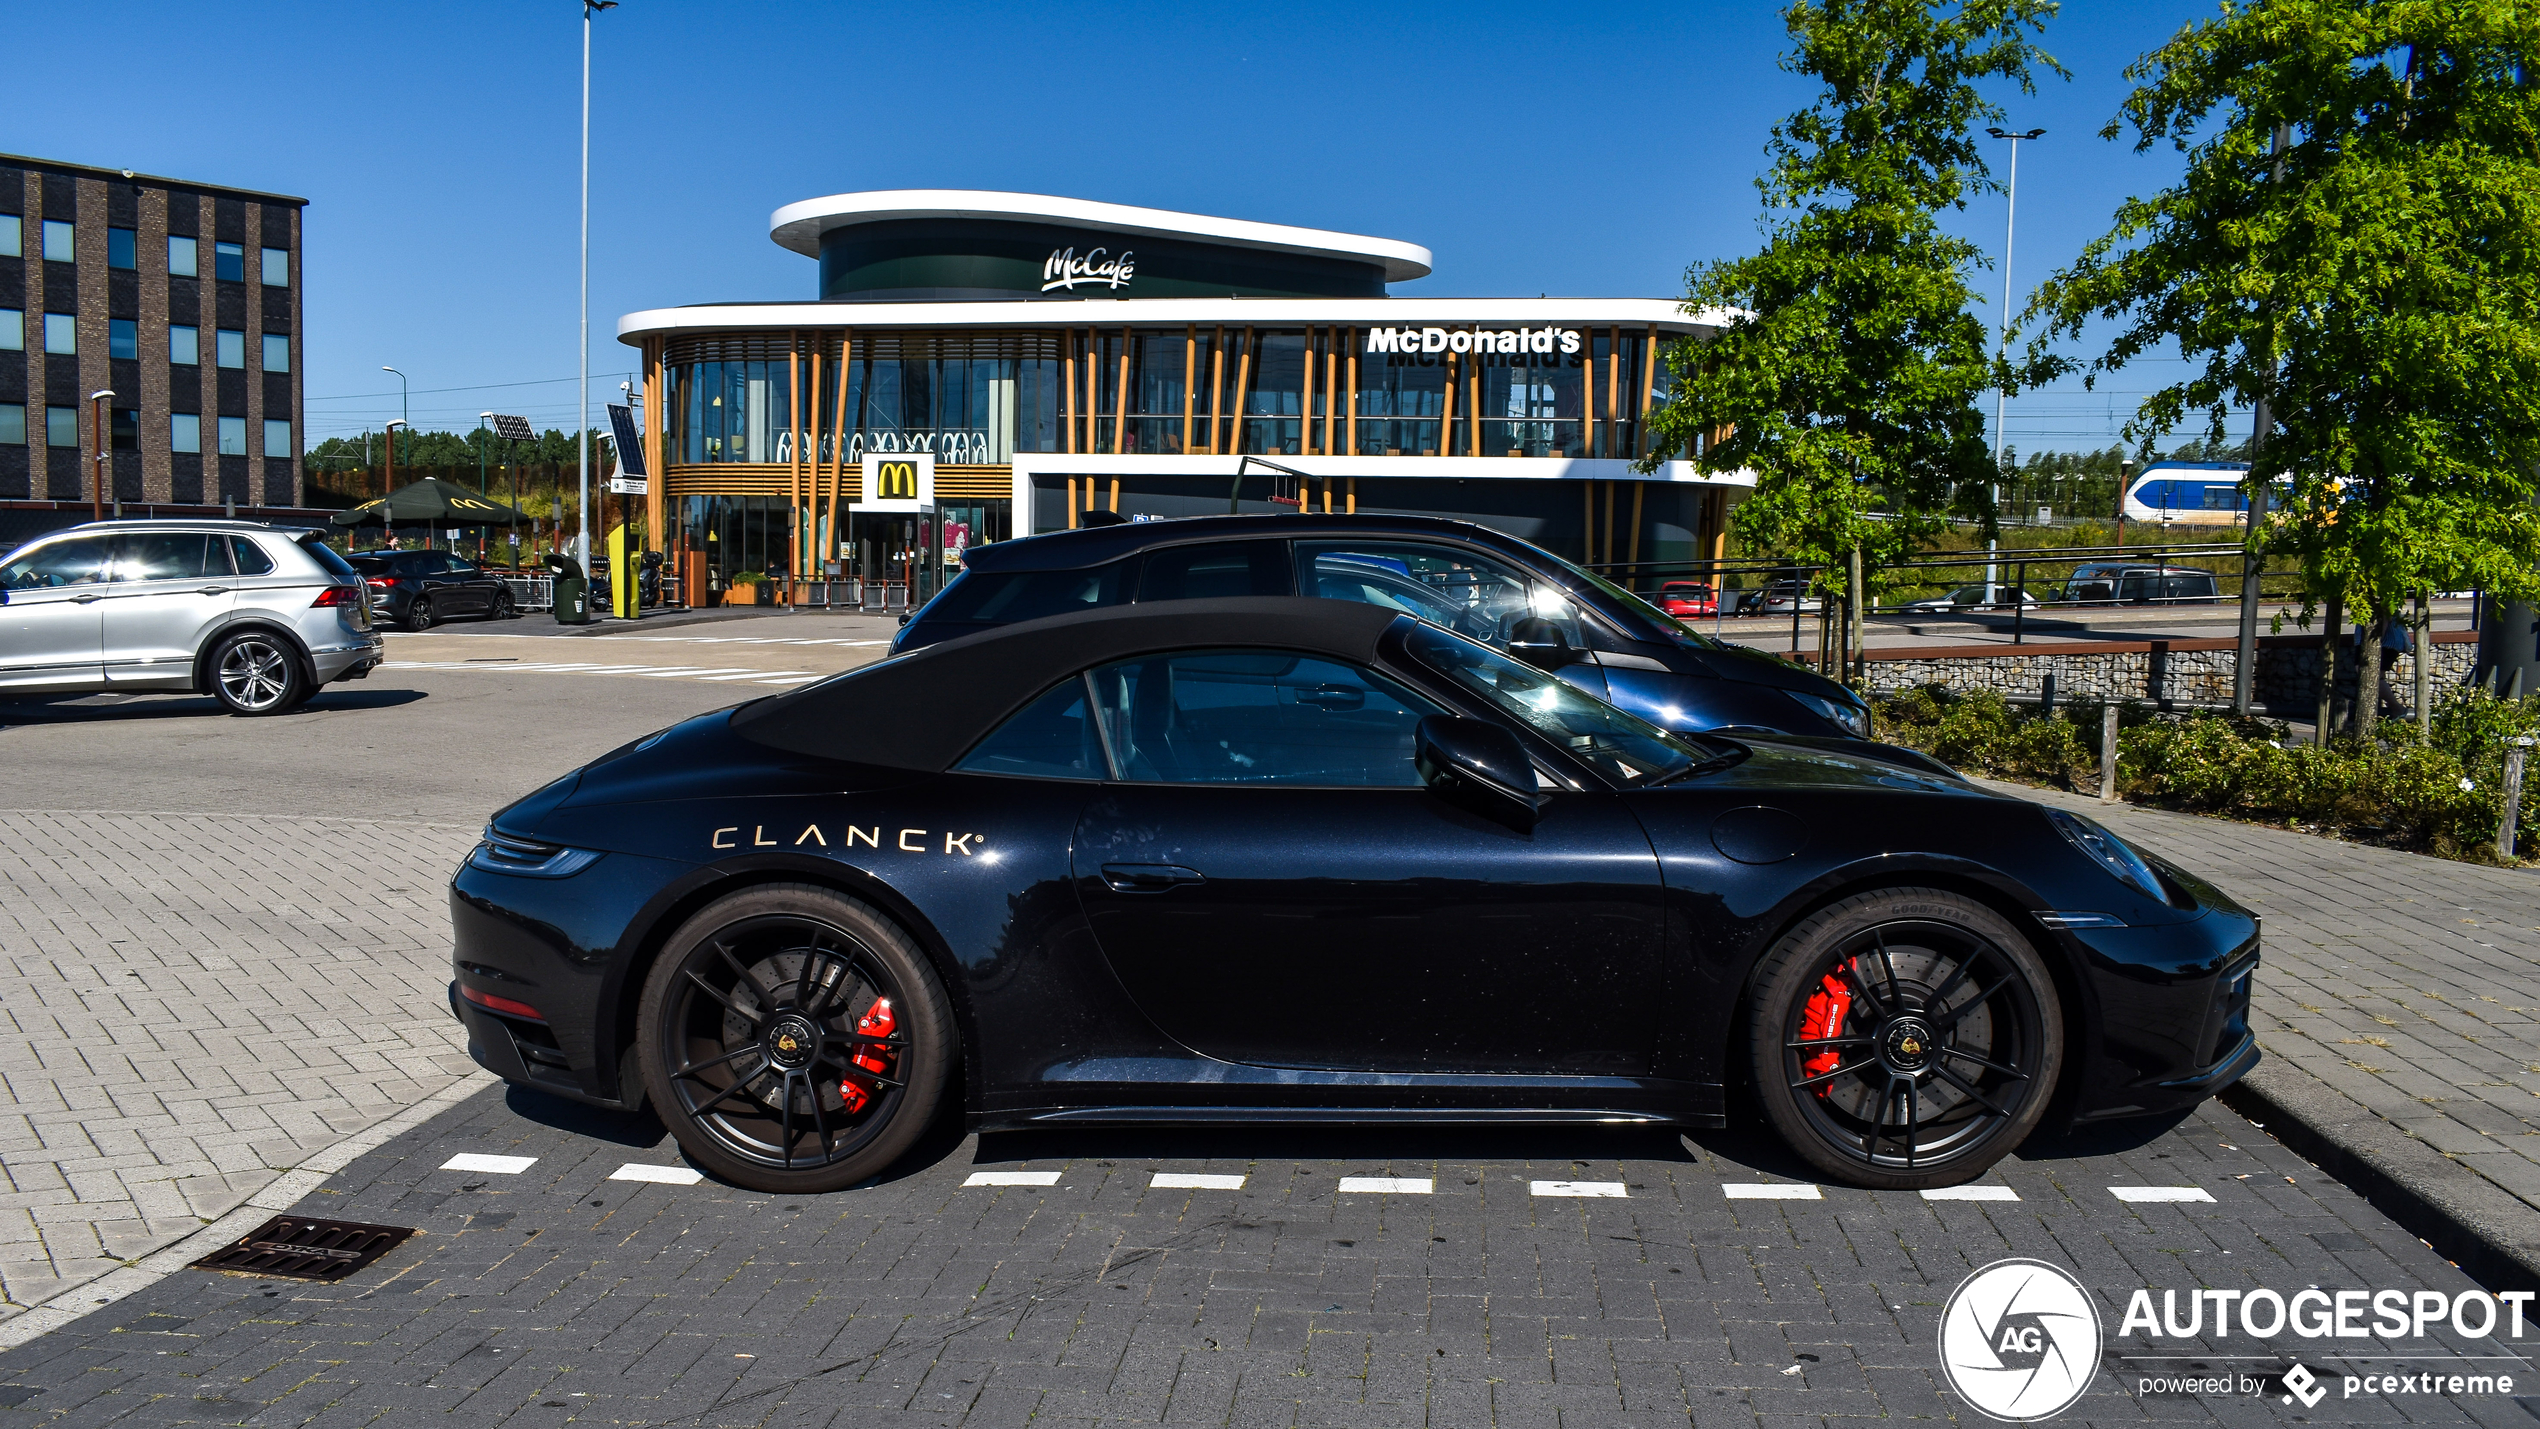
2489, 1232
279, 1194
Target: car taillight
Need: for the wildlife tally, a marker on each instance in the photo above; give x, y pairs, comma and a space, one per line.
503, 1005
335, 596
382, 582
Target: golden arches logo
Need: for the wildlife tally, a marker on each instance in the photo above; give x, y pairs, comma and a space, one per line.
895, 481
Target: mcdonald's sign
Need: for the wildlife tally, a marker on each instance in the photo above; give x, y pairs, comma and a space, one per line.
898, 481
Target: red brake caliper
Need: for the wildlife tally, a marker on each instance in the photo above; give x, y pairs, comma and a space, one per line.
873, 1057
1822, 1018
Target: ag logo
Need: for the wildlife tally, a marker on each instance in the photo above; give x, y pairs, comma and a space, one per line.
2020, 1340
895, 481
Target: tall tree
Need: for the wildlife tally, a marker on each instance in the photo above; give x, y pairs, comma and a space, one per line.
1847, 363
2376, 280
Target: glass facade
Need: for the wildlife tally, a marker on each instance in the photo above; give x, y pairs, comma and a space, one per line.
969, 401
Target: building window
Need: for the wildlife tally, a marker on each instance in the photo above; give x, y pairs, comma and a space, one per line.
57, 241
61, 426
277, 352
229, 262
123, 426
233, 436
12, 330
185, 346
12, 424
277, 263
119, 248
61, 333
123, 338
13, 245
181, 256
185, 432
229, 347
277, 438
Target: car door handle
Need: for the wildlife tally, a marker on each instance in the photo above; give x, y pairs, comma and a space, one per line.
87, 598
213, 590
1147, 877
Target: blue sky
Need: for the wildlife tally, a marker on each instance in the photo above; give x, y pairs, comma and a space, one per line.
1589, 149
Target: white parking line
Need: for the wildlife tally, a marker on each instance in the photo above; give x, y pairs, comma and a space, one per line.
1388, 1185
1012, 1178
1580, 1188
759, 675
1971, 1193
1770, 1191
1185, 1181
499, 1165
2158, 1195
658, 1175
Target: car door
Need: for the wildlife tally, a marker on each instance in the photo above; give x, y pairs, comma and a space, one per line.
170, 590
1271, 881
470, 588
51, 628
1450, 586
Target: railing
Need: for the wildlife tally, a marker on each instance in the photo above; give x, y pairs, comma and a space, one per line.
532, 592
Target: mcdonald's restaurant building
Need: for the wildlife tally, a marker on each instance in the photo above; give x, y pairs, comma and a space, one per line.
980, 366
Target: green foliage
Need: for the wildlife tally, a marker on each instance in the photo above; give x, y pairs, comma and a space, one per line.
421, 450
1846, 371
2442, 796
2376, 279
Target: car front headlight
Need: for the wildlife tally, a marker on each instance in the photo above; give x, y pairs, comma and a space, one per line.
1851, 718
2108, 851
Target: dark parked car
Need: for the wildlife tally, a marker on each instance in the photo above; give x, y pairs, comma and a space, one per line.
1283, 860
2117, 583
416, 589
1977, 597
1507, 593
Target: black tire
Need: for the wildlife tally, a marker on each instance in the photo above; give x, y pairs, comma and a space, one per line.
749, 1019
256, 673
419, 613
503, 608
1943, 1025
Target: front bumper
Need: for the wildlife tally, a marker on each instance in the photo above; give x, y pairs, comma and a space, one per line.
2169, 1021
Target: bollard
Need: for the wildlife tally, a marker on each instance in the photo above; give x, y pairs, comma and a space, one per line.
2108, 755
2515, 749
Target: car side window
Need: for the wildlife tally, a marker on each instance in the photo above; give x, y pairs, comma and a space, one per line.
1053, 738
170, 556
1258, 717
1003, 597
82, 560
1443, 585
251, 558
430, 563
1209, 572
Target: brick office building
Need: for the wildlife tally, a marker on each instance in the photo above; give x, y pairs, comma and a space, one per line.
183, 298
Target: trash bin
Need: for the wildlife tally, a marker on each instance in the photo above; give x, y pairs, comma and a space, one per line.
572, 591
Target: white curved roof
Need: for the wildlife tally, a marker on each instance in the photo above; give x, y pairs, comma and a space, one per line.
1665, 314
798, 226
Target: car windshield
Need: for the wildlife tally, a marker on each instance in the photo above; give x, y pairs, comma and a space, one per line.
1625, 749
1673, 628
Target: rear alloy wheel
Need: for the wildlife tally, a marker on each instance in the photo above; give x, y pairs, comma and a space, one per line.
794, 1039
255, 674
504, 609
1905, 1039
419, 613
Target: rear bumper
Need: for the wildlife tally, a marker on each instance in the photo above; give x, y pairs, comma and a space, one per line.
349, 661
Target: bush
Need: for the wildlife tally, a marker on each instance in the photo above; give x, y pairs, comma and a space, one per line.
2441, 795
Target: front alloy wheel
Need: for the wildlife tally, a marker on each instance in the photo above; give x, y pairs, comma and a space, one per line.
252, 674
1905, 1039
794, 1040
419, 614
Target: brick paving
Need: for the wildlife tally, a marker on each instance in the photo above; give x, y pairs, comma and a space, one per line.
192, 1004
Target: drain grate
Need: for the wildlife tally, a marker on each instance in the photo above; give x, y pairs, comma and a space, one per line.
297, 1248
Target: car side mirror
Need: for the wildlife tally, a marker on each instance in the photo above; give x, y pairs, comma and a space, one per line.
1540, 643
1478, 767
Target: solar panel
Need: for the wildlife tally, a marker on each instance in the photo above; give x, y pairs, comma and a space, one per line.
513, 429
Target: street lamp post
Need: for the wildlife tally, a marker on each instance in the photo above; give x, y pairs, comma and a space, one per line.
2002, 395
388, 487
104, 451
582, 433
481, 445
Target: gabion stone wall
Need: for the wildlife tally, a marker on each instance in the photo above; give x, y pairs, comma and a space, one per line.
2179, 673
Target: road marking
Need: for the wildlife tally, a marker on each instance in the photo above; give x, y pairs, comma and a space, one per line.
2157, 1195
499, 1165
1012, 1178
759, 675
1388, 1185
791, 680
1184, 1181
1770, 1191
1971, 1193
658, 1175
1579, 1188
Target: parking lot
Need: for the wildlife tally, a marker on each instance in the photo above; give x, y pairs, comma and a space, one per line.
223, 954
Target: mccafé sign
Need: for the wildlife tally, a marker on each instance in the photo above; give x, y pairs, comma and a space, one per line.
1562, 340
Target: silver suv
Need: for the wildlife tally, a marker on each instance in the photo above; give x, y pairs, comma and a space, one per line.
257, 616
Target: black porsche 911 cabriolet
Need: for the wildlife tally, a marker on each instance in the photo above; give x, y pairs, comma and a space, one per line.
1293, 860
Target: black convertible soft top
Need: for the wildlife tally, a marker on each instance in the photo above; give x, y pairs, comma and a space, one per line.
925, 710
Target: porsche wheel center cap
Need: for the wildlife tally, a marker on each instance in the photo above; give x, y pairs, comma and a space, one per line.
1907, 1044
791, 1041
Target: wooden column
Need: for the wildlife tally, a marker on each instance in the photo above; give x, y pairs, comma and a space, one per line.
1587, 397
1587, 526
656, 537
1243, 394
794, 467
1331, 388
1614, 396
813, 543
1216, 385
1352, 397
1120, 423
1446, 409
1071, 500
1067, 396
1190, 378
1648, 392
1353, 496
1305, 403
1473, 404
838, 455
1639, 490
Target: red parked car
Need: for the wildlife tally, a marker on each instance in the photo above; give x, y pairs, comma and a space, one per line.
1681, 598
